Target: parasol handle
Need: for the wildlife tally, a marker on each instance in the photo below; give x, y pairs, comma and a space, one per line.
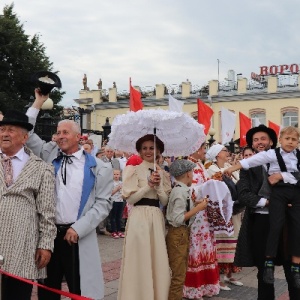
154, 132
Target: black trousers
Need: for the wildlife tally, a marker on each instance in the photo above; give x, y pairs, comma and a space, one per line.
282, 195
13, 289
260, 232
116, 216
64, 262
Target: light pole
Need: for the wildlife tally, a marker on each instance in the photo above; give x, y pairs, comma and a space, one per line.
106, 129
211, 132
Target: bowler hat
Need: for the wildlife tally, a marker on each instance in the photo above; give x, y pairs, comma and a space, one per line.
261, 128
17, 118
46, 81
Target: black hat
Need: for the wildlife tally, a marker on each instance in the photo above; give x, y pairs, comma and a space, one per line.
261, 128
17, 118
46, 81
150, 137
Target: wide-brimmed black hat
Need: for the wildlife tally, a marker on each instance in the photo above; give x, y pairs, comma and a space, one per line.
261, 128
149, 137
46, 81
17, 118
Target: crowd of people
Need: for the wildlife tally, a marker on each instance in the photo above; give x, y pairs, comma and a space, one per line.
189, 223
203, 248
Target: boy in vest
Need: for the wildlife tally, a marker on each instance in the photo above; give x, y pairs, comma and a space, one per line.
180, 211
284, 198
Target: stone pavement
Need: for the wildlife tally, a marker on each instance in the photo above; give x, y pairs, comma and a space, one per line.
111, 253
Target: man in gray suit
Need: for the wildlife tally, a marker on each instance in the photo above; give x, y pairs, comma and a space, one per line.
109, 158
83, 189
27, 209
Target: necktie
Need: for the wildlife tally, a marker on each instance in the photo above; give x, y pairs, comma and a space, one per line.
8, 170
66, 159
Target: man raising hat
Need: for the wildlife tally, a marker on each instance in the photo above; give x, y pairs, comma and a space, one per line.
27, 209
83, 199
254, 192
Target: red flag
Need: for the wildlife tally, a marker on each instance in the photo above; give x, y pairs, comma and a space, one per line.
275, 127
245, 125
204, 115
135, 102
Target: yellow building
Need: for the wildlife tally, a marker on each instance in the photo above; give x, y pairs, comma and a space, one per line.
267, 100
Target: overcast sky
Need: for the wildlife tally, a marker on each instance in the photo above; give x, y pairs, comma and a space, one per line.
164, 41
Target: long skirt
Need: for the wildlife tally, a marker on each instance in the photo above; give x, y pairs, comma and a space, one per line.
145, 273
202, 277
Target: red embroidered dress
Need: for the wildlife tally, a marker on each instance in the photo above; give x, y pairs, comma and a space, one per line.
202, 277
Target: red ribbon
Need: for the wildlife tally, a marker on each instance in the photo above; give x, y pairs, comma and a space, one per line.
66, 294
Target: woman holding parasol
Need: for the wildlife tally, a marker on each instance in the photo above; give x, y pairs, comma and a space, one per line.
145, 269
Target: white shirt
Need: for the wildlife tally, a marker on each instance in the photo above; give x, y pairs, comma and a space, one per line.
122, 161
264, 157
18, 162
32, 113
117, 197
68, 196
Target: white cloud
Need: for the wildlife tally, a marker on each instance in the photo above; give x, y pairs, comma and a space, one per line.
160, 41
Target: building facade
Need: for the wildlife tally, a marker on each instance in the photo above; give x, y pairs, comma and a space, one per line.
269, 99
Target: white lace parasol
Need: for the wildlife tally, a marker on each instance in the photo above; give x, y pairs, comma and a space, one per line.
181, 134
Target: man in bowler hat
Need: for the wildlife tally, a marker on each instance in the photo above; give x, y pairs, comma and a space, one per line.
27, 209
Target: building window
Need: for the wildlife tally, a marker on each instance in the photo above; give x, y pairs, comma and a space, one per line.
290, 118
258, 116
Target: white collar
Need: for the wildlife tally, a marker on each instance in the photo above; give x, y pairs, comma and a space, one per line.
20, 154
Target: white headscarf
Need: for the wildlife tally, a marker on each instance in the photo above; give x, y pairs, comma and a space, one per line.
213, 151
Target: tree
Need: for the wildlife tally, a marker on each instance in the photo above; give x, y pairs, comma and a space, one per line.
20, 57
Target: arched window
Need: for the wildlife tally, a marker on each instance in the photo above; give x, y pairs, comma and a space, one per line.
258, 116
289, 116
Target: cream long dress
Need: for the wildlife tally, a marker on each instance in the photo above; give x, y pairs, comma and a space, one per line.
145, 271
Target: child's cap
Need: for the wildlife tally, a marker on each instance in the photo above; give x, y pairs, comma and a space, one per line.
181, 166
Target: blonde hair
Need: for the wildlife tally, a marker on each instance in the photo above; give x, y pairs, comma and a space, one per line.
289, 130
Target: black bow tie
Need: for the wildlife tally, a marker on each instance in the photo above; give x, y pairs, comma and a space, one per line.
66, 159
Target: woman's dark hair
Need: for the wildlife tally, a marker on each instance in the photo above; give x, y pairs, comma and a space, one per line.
149, 137
247, 148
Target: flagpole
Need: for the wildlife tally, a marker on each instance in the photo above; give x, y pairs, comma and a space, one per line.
130, 94
218, 73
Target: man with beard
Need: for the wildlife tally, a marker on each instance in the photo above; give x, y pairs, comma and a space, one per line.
254, 192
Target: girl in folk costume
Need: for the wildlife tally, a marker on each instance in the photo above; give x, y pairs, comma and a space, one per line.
202, 277
228, 233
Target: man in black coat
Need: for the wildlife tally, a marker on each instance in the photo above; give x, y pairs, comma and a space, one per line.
254, 192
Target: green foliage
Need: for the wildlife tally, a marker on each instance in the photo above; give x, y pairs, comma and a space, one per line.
20, 57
